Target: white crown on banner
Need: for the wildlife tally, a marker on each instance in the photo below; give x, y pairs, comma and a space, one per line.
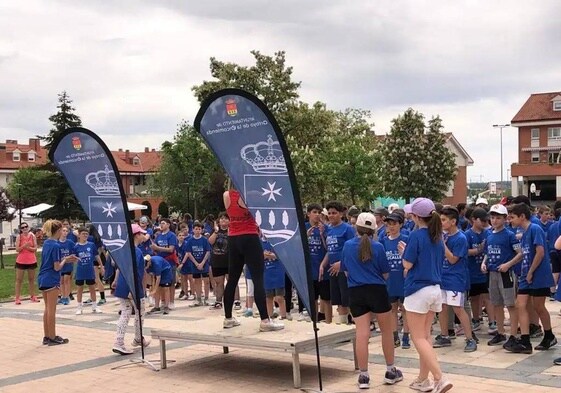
265, 157
103, 182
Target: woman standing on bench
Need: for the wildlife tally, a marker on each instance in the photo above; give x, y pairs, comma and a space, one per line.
244, 248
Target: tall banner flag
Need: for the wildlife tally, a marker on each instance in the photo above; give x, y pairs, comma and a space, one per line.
90, 170
245, 137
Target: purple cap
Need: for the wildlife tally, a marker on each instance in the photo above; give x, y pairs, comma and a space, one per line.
421, 207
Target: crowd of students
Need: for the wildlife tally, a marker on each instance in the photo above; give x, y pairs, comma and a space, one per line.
409, 268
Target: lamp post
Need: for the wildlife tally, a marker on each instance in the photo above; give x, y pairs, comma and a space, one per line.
19, 202
501, 126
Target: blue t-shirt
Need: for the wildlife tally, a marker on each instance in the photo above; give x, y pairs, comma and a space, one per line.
396, 281
364, 273
317, 251
66, 248
533, 237
71, 236
455, 277
552, 235
85, 266
165, 240
381, 232
500, 248
160, 267
274, 270
208, 229
145, 246
122, 289
198, 248
474, 240
181, 252
409, 225
426, 258
48, 277
336, 238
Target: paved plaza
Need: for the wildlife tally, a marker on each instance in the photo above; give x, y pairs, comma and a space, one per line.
87, 363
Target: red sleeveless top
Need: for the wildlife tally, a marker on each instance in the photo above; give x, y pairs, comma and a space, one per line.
241, 220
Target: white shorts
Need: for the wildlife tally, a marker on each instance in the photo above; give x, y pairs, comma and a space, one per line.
424, 300
453, 298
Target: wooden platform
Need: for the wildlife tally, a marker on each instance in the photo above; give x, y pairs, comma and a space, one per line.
296, 338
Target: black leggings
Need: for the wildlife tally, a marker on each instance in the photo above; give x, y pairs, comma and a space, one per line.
245, 250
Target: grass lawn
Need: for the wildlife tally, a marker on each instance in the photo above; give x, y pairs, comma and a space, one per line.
8, 278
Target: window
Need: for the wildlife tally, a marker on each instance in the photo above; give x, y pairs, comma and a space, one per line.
31, 156
557, 105
136, 161
535, 156
554, 133
535, 134
16, 156
554, 158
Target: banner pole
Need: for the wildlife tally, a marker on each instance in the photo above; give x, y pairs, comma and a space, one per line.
315, 327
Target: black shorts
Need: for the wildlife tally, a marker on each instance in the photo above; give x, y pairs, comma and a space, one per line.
537, 292
555, 261
66, 273
369, 298
478, 289
45, 289
87, 282
395, 299
200, 275
323, 290
339, 290
173, 273
26, 266
219, 271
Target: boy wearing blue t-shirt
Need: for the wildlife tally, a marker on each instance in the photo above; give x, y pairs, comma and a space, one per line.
161, 273
396, 278
338, 232
164, 245
184, 264
455, 280
318, 248
274, 280
85, 271
534, 281
198, 255
66, 249
502, 252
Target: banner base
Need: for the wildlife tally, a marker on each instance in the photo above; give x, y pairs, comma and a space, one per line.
141, 361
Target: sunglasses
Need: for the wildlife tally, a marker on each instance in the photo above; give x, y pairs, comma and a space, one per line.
24, 227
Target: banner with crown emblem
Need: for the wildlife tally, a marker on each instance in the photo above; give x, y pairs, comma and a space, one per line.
90, 170
245, 137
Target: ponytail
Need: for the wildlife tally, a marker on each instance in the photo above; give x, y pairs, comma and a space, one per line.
435, 226
365, 247
51, 227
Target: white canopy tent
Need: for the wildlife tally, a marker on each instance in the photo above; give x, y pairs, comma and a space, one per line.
32, 210
135, 206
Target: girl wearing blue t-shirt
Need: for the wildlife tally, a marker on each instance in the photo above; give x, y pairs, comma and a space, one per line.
66, 248
48, 279
85, 271
364, 262
198, 255
422, 263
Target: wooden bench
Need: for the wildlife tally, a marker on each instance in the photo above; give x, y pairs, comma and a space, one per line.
296, 338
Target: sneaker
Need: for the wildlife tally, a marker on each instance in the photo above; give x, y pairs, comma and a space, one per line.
122, 350
79, 311
171, 306
471, 345
136, 343
474, 337
237, 305
216, 306
248, 313
151, 301
155, 310
396, 342
557, 362
18, 301
230, 323
303, 316
546, 343
422, 386
520, 347
363, 381
89, 301
57, 341
276, 313
492, 328
191, 297
34, 299
452, 334
475, 326
442, 386
101, 302
181, 294
393, 376
97, 310
45, 340
66, 301
498, 339
441, 341
405, 343
269, 325
535, 331
166, 311
71, 297
510, 343
60, 301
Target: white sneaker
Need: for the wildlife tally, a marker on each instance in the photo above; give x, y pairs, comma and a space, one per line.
171, 306
230, 323
97, 310
79, 311
422, 386
122, 350
269, 325
136, 343
442, 386
151, 301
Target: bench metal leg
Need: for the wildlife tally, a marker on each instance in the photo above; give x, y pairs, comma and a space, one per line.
296, 370
354, 353
163, 360
225, 349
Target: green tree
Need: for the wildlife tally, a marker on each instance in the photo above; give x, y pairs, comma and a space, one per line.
6, 206
63, 119
416, 161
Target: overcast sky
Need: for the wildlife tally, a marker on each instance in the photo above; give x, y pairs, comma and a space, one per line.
129, 65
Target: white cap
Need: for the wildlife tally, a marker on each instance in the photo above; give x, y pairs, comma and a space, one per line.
324, 212
392, 207
499, 209
366, 220
481, 201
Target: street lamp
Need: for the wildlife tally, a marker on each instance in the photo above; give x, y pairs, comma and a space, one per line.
501, 126
19, 201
